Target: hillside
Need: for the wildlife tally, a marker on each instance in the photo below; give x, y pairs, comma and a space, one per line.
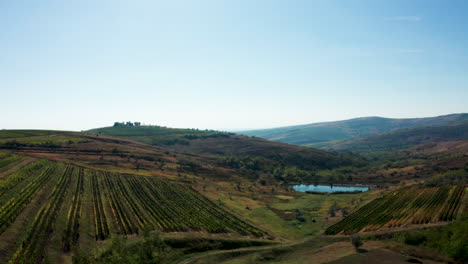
48, 208
402, 139
352, 128
62, 193
65, 192
157, 135
221, 145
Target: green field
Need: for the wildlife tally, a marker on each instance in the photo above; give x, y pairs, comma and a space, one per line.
26, 133
157, 135
404, 207
69, 206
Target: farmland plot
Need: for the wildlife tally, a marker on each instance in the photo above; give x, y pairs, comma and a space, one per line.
116, 204
415, 205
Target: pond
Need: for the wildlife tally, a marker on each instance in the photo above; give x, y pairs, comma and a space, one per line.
328, 188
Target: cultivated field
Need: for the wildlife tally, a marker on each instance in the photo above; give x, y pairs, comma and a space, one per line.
47, 206
403, 207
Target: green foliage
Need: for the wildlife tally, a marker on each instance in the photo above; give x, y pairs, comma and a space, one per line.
356, 241
150, 250
153, 250
415, 238
332, 210
157, 135
404, 206
128, 124
282, 170
459, 176
26, 133
16, 139
450, 240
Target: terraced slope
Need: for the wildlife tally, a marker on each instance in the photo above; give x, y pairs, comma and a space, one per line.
404, 207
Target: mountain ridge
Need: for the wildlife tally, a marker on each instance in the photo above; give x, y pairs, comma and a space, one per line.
400, 139
351, 128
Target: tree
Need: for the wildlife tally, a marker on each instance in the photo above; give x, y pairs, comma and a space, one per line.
344, 212
356, 241
332, 210
150, 250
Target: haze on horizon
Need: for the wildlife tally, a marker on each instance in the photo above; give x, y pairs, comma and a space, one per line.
230, 65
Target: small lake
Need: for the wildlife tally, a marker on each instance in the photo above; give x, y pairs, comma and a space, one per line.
328, 188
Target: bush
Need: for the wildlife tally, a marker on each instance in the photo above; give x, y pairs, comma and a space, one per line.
414, 238
356, 241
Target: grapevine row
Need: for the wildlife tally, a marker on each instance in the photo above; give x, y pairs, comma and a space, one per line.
100, 220
31, 249
20, 174
403, 207
72, 234
15, 205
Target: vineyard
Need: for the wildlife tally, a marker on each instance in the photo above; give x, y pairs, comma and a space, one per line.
407, 206
8, 161
64, 200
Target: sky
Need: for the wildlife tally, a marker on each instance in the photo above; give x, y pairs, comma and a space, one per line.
229, 65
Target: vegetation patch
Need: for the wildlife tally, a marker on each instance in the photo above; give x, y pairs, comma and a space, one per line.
403, 207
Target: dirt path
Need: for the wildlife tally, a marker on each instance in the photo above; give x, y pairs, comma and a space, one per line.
240, 251
294, 252
339, 250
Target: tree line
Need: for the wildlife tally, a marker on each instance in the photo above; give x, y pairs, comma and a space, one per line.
127, 124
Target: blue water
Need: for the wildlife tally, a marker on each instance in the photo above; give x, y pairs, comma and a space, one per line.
328, 188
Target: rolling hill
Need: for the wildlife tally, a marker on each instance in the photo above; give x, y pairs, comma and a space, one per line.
64, 193
61, 191
216, 144
352, 128
401, 139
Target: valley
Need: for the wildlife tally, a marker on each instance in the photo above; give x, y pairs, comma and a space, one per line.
207, 196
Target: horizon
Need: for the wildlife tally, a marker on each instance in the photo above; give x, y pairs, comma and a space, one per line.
229, 65
232, 130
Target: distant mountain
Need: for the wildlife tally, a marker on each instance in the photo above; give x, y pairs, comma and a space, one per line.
346, 129
405, 138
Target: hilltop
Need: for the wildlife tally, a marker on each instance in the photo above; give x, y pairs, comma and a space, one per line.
156, 135
352, 128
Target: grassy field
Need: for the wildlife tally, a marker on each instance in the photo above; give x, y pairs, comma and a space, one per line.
287, 215
26, 133
157, 135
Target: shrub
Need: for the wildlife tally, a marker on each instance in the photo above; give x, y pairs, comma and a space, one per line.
414, 238
356, 241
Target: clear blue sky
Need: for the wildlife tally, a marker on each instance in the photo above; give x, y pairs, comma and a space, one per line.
229, 64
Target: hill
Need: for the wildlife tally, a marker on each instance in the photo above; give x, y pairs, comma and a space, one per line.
72, 206
64, 193
218, 145
402, 139
157, 135
352, 128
